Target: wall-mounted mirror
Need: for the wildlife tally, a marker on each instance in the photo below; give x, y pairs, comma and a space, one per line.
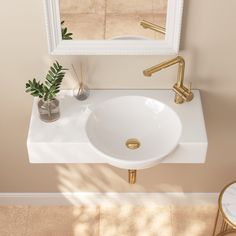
82, 27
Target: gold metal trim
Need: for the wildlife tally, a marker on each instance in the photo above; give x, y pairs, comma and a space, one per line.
221, 208
132, 176
133, 143
224, 226
227, 226
229, 232
216, 220
149, 25
181, 92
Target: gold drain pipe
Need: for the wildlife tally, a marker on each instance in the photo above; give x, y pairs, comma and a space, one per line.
132, 144
132, 176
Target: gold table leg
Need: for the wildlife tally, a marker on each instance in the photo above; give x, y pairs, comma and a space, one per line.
230, 232
225, 228
217, 216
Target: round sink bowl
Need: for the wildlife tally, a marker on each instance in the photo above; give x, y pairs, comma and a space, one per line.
129, 37
133, 132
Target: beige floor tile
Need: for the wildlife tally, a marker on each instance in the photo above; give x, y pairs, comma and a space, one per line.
62, 221
135, 221
87, 221
77, 6
160, 19
144, 6
125, 220
160, 6
113, 6
82, 6
85, 26
120, 6
136, 6
100, 6
130, 7
127, 24
13, 220
193, 220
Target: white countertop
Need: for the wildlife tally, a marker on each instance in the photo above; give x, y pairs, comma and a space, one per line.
66, 141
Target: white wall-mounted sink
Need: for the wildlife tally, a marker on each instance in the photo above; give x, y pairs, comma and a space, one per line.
96, 130
129, 37
152, 124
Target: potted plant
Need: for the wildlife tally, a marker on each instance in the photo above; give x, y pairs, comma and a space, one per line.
48, 105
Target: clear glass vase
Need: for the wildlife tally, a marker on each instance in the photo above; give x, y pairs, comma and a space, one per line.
82, 92
49, 110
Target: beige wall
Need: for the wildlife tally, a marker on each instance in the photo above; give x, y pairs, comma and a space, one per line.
209, 46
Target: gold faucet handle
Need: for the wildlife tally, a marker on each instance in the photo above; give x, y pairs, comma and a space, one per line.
186, 90
190, 87
190, 95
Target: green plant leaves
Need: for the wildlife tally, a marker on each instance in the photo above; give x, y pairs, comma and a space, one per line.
34, 88
65, 35
51, 87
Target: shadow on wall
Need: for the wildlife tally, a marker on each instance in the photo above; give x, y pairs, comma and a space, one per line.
78, 183
88, 178
102, 178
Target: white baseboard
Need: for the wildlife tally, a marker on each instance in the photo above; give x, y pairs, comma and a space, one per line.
110, 198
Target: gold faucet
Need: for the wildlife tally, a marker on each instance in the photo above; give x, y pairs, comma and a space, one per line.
149, 25
181, 92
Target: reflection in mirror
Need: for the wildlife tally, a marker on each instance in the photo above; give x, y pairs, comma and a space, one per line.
113, 19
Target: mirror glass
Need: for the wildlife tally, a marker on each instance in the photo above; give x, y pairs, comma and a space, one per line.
113, 19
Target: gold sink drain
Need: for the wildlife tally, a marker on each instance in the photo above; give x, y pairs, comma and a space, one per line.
132, 143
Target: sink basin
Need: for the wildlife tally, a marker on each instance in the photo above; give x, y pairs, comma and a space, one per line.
133, 132
129, 37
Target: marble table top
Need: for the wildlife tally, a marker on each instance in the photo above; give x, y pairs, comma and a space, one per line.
228, 202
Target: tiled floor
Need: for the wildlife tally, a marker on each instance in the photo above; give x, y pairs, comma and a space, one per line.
107, 221
106, 19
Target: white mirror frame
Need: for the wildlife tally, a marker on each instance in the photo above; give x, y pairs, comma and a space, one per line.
169, 46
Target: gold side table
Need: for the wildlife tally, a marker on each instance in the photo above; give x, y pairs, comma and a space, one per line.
227, 211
